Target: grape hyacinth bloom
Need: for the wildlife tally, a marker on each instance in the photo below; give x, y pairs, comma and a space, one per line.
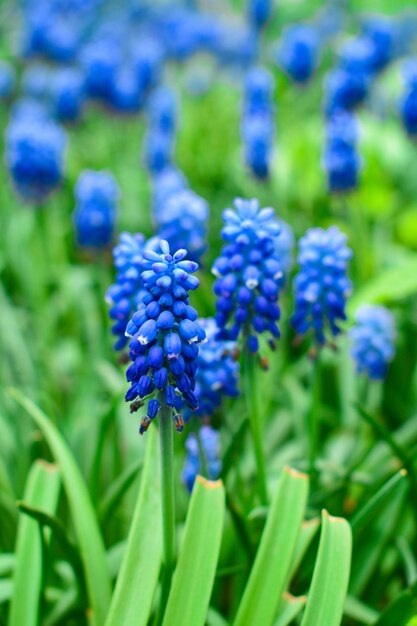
7, 80
408, 104
298, 53
67, 94
210, 447
373, 341
259, 12
126, 293
249, 274
164, 335
258, 125
341, 160
217, 373
35, 150
160, 136
321, 286
96, 209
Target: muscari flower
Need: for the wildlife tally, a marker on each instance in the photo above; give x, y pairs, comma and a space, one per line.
35, 150
126, 293
210, 447
341, 160
259, 12
100, 61
217, 373
67, 94
373, 341
127, 94
344, 90
298, 53
160, 136
96, 209
7, 80
258, 126
408, 104
164, 335
249, 274
321, 286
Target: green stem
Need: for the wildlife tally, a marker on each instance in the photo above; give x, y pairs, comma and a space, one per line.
255, 419
314, 416
168, 502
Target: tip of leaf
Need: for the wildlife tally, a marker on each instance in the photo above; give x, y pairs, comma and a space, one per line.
294, 599
403, 472
49, 467
209, 484
295, 473
332, 518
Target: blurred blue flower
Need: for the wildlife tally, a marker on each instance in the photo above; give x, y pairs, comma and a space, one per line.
101, 60
160, 137
321, 286
408, 103
126, 293
380, 31
249, 274
298, 52
341, 160
210, 447
7, 80
147, 61
36, 81
373, 340
95, 212
165, 333
344, 90
67, 94
35, 150
127, 93
259, 12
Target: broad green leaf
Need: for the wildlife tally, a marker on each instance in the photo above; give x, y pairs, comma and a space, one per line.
88, 535
289, 608
42, 491
215, 619
6, 589
359, 611
401, 609
328, 590
193, 578
132, 598
276, 551
117, 490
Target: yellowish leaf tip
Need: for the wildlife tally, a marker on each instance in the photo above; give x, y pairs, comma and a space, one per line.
209, 484
332, 518
293, 472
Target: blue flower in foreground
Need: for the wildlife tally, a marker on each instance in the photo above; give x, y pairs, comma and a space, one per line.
408, 104
210, 445
68, 94
96, 209
321, 286
35, 150
249, 274
373, 340
341, 160
165, 334
182, 221
298, 53
217, 373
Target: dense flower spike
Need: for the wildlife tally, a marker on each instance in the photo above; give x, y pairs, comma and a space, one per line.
96, 209
160, 136
35, 150
210, 447
373, 341
341, 160
408, 104
322, 286
126, 293
67, 94
259, 12
165, 334
249, 273
298, 53
258, 121
218, 371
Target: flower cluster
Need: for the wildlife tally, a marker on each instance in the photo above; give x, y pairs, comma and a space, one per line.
210, 447
408, 104
67, 94
35, 149
126, 293
258, 121
160, 137
249, 273
96, 209
259, 12
341, 160
7, 80
218, 372
322, 286
298, 53
373, 340
164, 335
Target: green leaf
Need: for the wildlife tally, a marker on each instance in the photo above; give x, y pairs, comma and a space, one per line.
193, 578
276, 551
117, 490
307, 533
42, 490
328, 590
6, 589
357, 610
289, 608
88, 535
401, 610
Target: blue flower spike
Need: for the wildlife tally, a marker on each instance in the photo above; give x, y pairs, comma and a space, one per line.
96, 209
164, 334
373, 341
321, 287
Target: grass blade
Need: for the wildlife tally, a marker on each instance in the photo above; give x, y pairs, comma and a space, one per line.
276, 551
401, 610
307, 533
42, 490
193, 579
289, 608
117, 490
327, 595
132, 598
85, 521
